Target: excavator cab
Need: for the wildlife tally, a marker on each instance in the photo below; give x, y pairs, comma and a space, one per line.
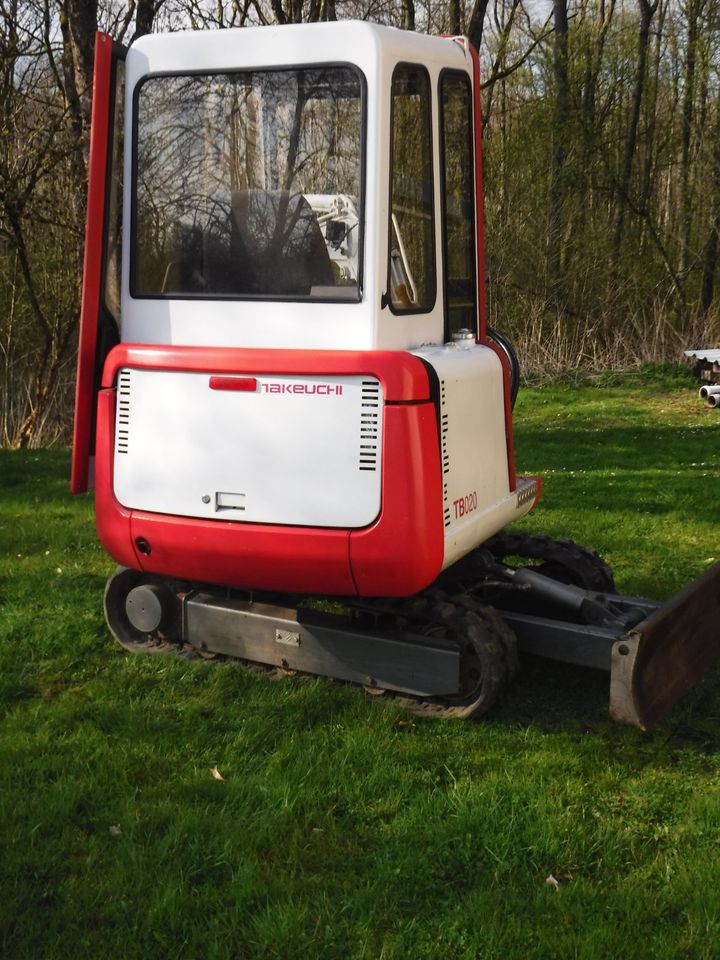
287, 389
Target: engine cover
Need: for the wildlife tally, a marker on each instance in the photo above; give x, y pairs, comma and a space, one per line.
295, 450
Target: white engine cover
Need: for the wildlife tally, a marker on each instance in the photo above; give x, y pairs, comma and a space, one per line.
297, 450
477, 499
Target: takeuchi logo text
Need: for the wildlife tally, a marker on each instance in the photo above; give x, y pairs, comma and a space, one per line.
319, 389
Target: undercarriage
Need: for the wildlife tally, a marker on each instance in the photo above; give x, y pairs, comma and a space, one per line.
452, 650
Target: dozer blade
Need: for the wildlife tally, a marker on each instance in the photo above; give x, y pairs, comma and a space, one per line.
660, 659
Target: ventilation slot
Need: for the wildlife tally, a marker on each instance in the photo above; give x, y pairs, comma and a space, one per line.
444, 430
123, 412
369, 425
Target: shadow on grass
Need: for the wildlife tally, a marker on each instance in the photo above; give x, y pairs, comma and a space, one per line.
21, 467
558, 698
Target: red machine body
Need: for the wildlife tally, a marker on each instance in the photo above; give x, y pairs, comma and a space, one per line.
399, 553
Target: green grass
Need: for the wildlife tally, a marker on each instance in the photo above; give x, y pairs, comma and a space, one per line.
338, 833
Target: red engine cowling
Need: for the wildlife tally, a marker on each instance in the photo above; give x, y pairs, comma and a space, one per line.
397, 554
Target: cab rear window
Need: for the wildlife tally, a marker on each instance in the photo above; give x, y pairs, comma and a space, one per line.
248, 185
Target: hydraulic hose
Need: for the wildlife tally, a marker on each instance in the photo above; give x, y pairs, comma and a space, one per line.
507, 348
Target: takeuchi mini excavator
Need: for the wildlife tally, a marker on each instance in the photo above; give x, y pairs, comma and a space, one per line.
297, 422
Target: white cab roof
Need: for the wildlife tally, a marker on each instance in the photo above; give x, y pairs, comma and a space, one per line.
289, 45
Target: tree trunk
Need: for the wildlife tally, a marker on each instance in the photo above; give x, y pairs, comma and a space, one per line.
648, 166
476, 23
694, 9
711, 245
78, 23
454, 25
591, 126
408, 12
145, 15
561, 109
647, 11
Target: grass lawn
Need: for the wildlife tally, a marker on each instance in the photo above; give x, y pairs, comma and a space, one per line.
337, 831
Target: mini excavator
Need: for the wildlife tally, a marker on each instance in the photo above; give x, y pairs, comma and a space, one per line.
296, 420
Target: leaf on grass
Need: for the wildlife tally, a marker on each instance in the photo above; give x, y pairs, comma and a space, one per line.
552, 882
216, 774
115, 830
405, 724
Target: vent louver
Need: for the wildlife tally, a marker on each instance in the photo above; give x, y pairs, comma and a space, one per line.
444, 430
369, 421
123, 412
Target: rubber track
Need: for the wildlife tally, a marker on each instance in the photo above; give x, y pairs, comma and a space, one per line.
589, 569
489, 648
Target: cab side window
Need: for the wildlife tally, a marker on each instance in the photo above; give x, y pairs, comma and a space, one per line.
411, 268
458, 202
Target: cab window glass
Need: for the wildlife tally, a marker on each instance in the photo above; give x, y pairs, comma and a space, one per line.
457, 202
248, 185
411, 270
113, 226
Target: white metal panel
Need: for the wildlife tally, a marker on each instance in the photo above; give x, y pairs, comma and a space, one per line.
262, 325
477, 501
300, 450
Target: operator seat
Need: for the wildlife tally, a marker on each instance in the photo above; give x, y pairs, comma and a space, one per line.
276, 245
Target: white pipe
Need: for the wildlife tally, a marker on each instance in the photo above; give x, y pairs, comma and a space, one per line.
710, 390
714, 400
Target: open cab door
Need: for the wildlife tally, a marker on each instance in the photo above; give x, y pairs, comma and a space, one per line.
99, 309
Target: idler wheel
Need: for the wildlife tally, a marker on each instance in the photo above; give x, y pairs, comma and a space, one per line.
142, 611
149, 607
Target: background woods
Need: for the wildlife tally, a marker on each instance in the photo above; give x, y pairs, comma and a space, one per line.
602, 173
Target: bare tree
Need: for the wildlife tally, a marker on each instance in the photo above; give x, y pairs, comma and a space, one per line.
46, 64
647, 11
561, 110
693, 11
710, 258
40, 168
